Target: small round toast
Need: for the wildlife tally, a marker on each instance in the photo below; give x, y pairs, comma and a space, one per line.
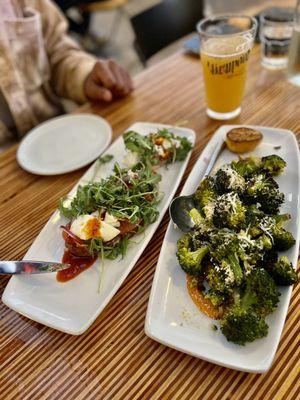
243, 140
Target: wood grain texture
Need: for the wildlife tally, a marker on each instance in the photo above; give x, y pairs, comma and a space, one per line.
114, 359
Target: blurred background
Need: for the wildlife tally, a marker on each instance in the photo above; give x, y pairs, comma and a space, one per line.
114, 28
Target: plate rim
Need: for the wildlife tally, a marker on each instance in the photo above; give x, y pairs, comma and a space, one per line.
35, 131
155, 334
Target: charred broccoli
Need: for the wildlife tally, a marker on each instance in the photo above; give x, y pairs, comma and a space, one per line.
273, 164
231, 263
227, 180
229, 211
241, 326
189, 258
247, 167
220, 278
226, 265
245, 320
196, 216
253, 217
251, 250
261, 293
205, 193
218, 298
263, 189
281, 238
281, 269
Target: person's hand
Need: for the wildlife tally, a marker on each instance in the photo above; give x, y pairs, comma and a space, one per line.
107, 81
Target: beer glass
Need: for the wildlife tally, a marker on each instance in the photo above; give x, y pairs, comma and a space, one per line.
226, 42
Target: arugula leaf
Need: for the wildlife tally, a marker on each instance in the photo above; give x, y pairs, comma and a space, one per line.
131, 194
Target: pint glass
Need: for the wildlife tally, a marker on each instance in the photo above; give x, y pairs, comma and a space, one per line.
226, 42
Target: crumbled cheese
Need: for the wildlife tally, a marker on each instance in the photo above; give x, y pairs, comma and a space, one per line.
229, 275
266, 225
228, 201
236, 181
209, 210
245, 238
159, 150
248, 267
259, 178
131, 174
176, 143
166, 144
130, 159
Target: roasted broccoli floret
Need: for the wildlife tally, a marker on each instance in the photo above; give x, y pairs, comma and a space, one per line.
263, 189
205, 193
273, 164
218, 298
281, 269
251, 250
261, 293
202, 229
247, 167
260, 184
245, 320
228, 180
229, 211
225, 273
253, 217
223, 241
190, 258
271, 202
282, 239
196, 216
219, 278
264, 243
226, 265
241, 326
232, 262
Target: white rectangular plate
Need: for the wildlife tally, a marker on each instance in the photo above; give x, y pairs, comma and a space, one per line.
73, 306
174, 320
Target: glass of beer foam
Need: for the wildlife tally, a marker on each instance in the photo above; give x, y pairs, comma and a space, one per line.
225, 44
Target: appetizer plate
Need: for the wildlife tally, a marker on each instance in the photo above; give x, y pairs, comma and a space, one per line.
73, 306
64, 144
172, 317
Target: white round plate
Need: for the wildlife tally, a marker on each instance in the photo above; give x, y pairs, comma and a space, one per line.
64, 144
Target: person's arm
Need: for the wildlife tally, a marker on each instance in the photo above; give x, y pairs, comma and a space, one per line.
75, 74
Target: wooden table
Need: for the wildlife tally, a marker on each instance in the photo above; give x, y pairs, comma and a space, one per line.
114, 359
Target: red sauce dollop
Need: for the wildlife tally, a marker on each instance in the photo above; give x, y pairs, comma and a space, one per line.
78, 265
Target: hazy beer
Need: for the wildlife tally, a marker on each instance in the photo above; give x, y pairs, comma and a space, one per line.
224, 60
225, 70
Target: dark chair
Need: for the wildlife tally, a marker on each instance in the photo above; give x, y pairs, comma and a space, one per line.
163, 24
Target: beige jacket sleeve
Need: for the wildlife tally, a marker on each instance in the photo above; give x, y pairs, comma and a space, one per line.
69, 65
